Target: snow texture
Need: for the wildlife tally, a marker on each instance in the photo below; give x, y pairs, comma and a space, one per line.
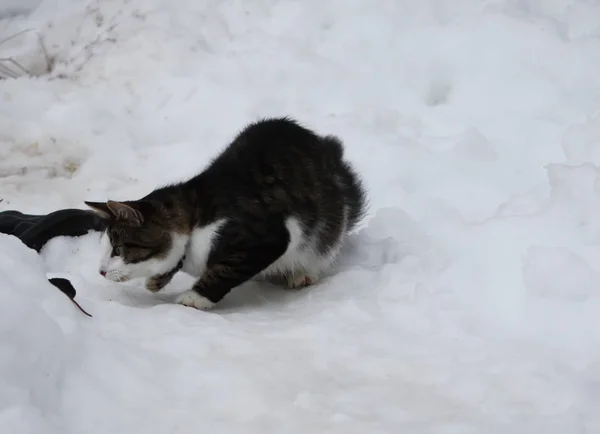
468, 302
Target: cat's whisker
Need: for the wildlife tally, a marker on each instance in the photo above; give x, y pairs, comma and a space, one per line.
117, 276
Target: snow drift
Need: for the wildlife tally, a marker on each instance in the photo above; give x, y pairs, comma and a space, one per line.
467, 302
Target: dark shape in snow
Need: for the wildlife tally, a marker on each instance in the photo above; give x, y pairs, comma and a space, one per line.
36, 230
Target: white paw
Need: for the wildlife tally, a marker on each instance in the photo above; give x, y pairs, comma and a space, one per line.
300, 280
192, 299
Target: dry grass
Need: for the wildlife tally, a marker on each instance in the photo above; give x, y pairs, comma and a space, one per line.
11, 68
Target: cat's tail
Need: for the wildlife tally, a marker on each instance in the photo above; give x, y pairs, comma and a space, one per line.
334, 146
355, 194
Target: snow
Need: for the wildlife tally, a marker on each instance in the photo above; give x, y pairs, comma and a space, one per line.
468, 302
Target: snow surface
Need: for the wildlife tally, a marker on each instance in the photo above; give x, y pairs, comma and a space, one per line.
468, 302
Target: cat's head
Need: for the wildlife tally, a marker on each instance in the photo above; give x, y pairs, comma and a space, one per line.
139, 240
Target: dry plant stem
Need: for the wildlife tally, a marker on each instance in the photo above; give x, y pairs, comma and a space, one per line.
8, 38
15, 63
5, 70
49, 61
19, 69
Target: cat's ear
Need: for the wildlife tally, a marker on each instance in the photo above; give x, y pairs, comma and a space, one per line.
126, 212
100, 208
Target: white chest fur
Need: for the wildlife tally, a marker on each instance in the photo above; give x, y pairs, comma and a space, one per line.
199, 247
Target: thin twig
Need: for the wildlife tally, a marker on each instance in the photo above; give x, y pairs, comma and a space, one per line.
7, 71
45, 51
2, 41
14, 62
13, 73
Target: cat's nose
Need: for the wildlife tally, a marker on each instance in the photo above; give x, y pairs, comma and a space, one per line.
103, 273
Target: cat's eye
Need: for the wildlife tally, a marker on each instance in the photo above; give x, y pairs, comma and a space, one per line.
135, 252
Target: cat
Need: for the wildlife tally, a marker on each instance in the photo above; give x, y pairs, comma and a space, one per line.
276, 203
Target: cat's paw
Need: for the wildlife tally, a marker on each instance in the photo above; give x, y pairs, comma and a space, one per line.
192, 299
300, 280
156, 283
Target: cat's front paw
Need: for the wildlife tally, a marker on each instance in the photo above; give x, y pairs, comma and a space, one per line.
192, 299
156, 283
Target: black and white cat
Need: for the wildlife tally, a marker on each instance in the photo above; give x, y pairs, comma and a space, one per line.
277, 202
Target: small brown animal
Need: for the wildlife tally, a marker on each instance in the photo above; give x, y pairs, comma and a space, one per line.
277, 202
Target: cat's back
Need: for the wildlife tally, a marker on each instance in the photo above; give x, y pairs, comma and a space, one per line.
279, 141
277, 165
